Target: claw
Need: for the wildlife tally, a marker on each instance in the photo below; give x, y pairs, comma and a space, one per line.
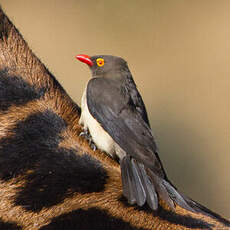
93, 146
84, 133
88, 137
81, 134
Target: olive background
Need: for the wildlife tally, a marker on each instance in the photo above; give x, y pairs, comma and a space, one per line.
178, 52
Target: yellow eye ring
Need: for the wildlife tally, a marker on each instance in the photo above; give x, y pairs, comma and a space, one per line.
100, 62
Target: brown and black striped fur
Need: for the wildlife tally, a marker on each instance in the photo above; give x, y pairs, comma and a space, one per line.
50, 178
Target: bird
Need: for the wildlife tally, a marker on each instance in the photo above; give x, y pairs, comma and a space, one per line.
114, 113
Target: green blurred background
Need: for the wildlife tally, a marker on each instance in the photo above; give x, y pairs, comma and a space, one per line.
179, 54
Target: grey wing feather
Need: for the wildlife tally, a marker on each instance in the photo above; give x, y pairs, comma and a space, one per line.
143, 176
137, 99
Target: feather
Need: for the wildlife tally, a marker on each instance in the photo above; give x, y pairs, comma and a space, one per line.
151, 195
127, 177
140, 193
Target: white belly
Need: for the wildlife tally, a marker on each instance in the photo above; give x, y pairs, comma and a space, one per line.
101, 138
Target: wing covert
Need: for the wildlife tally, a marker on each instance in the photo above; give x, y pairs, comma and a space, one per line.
113, 108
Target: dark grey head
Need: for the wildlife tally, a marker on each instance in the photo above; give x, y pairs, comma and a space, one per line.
105, 65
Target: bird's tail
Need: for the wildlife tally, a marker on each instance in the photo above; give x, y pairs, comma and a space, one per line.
141, 185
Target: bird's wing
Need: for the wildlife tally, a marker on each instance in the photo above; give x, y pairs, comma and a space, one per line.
114, 109
137, 99
143, 177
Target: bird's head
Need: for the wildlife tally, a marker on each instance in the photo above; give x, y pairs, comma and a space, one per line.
104, 65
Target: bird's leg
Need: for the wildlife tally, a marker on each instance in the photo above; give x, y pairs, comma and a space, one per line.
88, 137
85, 134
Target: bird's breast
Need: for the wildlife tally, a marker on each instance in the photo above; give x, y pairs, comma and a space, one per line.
100, 137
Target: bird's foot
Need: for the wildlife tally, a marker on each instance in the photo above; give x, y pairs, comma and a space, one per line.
89, 138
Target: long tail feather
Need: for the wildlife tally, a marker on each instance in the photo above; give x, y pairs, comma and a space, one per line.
141, 185
151, 195
138, 184
127, 181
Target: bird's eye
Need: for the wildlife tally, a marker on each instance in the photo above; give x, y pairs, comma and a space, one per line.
100, 62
